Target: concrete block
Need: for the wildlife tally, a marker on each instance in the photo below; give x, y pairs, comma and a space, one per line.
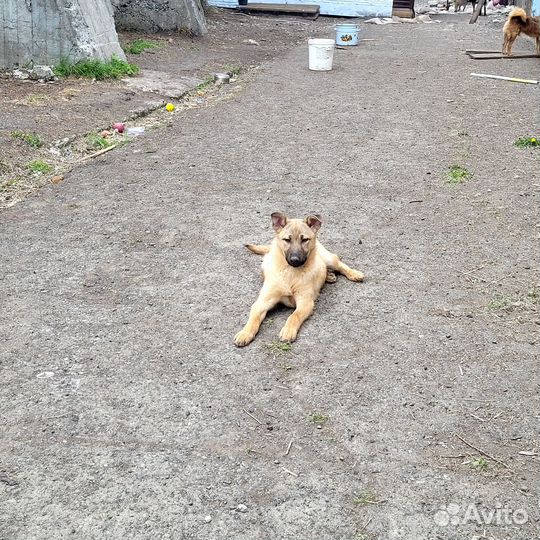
160, 15
45, 31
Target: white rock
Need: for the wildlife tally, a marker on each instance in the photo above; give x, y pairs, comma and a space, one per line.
208, 519
20, 74
42, 72
242, 508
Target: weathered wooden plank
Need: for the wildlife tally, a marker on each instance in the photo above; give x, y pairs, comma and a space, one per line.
498, 56
310, 9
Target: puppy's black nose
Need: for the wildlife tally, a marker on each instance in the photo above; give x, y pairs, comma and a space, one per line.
295, 261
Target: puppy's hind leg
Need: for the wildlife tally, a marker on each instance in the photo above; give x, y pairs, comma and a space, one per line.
266, 301
330, 277
334, 264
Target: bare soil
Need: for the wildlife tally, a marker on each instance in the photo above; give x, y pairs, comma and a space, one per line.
407, 400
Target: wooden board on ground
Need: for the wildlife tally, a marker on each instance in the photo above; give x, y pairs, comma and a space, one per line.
300, 9
496, 55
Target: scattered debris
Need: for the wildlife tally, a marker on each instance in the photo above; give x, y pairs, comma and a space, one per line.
527, 453
135, 131
207, 519
254, 417
288, 449
396, 20
96, 154
57, 179
250, 42
482, 451
290, 472
45, 375
242, 508
222, 78
5, 479
119, 127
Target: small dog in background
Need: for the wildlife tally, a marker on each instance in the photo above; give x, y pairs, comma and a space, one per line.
295, 267
519, 22
458, 4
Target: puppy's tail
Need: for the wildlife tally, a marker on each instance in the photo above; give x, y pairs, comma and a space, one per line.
518, 13
258, 249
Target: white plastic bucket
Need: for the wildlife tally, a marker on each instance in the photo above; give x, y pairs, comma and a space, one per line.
321, 54
347, 34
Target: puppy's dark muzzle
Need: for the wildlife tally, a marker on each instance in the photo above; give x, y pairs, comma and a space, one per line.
296, 261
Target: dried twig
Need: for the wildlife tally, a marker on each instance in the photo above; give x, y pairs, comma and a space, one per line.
254, 417
290, 472
98, 153
482, 452
288, 448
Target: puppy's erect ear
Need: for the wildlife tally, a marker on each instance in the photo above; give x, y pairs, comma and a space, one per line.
279, 220
314, 222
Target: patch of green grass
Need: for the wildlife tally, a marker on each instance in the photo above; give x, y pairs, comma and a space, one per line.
318, 418
31, 139
96, 69
232, 69
39, 167
533, 295
97, 141
278, 347
508, 303
501, 303
480, 464
527, 142
138, 46
457, 174
209, 81
366, 497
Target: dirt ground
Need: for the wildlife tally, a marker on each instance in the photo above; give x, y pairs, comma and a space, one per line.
72, 108
408, 407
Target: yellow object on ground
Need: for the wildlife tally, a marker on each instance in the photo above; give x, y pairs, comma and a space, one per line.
170, 107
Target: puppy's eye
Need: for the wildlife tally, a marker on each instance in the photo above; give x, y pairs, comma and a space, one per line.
304, 240
288, 240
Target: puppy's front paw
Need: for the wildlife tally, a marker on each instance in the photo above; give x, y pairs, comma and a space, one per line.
355, 275
288, 334
243, 338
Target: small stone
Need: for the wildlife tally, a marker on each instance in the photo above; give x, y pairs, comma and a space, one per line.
57, 179
242, 508
207, 519
20, 74
44, 73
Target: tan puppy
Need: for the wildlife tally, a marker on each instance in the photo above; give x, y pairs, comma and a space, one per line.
518, 21
295, 267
